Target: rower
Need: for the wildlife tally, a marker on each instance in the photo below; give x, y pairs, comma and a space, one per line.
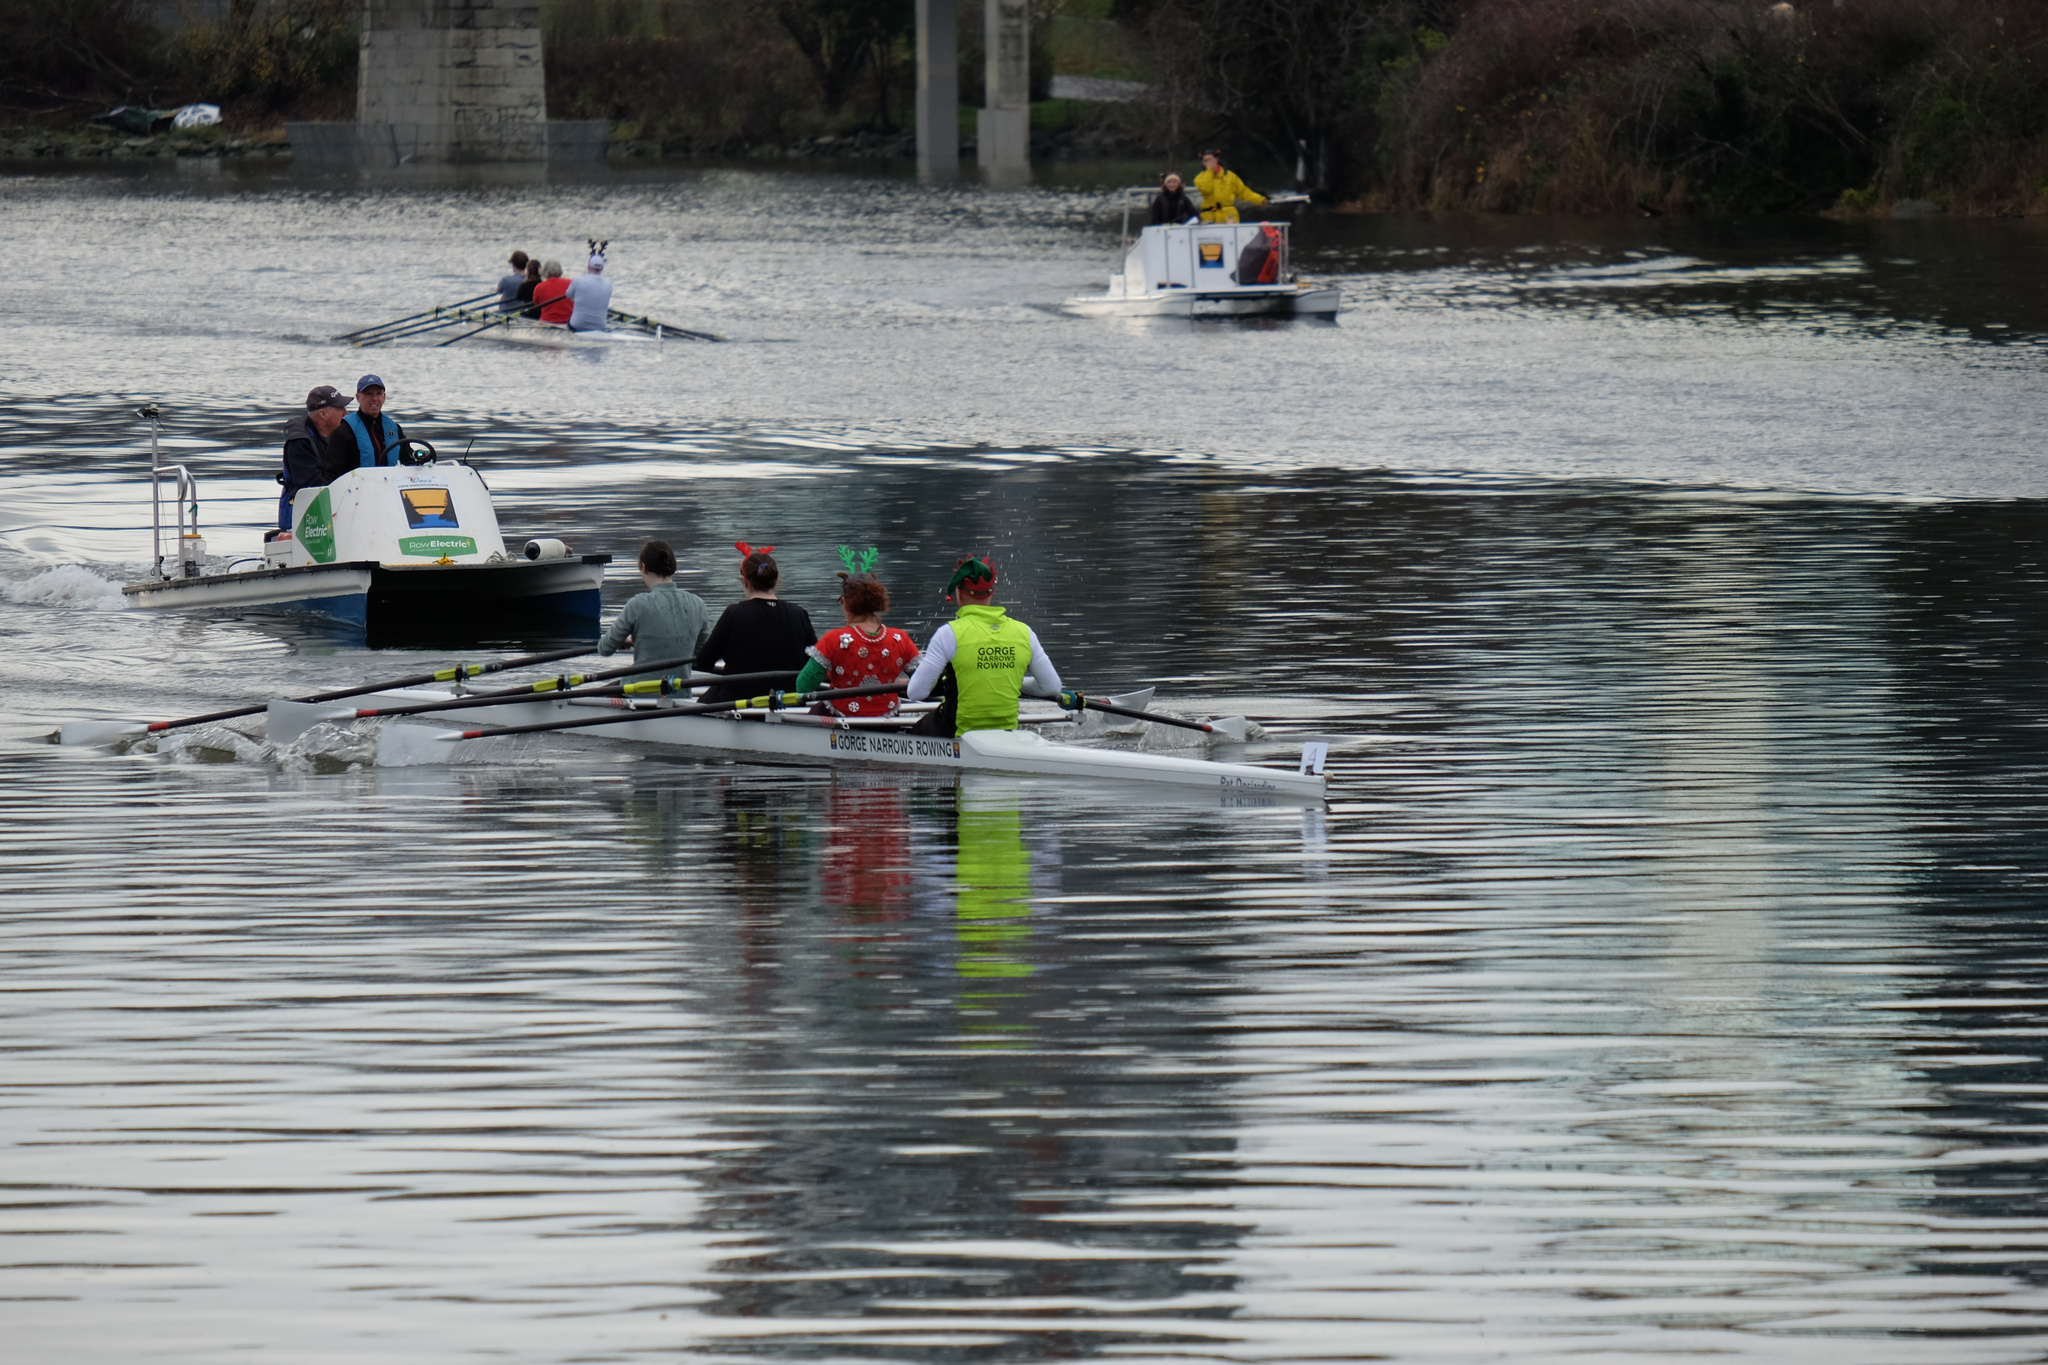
980, 660
590, 294
366, 438
760, 633
864, 651
665, 622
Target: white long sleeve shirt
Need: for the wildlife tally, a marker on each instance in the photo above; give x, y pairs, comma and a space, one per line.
1041, 679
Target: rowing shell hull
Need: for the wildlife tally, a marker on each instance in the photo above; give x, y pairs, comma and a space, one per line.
560, 338
799, 738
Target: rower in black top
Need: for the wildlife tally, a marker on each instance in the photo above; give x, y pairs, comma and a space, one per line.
760, 634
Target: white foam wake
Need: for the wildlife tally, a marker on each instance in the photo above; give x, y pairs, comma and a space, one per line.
67, 585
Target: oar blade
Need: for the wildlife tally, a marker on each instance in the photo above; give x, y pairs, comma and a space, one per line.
1236, 729
284, 721
1100, 722
97, 731
414, 746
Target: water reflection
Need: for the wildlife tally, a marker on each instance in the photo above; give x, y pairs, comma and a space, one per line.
1001, 1105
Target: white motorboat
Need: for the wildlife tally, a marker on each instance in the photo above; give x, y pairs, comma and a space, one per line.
1206, 270
803, 738
388, 549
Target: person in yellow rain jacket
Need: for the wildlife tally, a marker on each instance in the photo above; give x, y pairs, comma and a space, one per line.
1221, 190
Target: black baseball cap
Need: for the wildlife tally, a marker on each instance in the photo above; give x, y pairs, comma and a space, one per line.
326, 396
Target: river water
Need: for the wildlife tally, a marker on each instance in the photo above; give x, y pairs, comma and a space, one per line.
1662, 980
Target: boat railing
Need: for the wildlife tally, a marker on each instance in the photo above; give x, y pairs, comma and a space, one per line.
191, 549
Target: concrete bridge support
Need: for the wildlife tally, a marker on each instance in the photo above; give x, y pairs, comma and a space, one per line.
938, 89
1003, 133
463, 78
449, 82
1003, 125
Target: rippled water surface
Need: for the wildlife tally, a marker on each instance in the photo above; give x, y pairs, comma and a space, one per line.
1663, 981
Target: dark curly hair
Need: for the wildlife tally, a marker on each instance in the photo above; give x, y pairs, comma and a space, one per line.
864, 597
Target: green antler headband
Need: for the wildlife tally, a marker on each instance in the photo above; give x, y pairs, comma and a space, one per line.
863, 563
857, 565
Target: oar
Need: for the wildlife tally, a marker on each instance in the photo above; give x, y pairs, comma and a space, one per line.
485, 328
287, 720
410, 317
1230, 727
454, 317
99, 732
400, 746
661, 328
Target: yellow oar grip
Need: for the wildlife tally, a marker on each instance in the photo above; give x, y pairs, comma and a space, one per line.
772, 699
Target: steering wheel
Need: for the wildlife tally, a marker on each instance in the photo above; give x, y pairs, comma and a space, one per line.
417, 452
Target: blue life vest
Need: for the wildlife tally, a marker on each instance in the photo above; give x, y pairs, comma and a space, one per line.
366, 453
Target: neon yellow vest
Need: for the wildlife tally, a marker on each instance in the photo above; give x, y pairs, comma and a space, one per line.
991, 655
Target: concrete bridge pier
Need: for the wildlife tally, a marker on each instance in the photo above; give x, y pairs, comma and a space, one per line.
449, 82
938, 89
1003, 130
465, 73
1003, 125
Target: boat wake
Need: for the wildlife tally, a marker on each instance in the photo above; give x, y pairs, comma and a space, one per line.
325, 748
67, 585
1099, 731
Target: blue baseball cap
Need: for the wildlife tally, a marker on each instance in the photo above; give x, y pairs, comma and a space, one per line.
369, 381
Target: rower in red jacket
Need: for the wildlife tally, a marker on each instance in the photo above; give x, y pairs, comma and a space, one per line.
863, 651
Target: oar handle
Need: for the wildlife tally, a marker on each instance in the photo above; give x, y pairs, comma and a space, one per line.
564, 687
452, 674
693, 709
778, 701
1093, 705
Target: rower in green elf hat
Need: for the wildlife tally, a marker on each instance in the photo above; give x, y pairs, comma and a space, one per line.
980, 661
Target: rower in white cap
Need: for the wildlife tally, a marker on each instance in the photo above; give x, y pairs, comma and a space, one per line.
591, 292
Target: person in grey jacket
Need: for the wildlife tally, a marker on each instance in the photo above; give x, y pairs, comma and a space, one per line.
665, 622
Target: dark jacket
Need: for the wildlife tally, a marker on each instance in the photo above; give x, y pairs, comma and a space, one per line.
756, 636
1172, 208
343, 453
303, 451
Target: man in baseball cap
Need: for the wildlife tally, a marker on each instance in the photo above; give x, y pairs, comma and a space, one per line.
305, 442
366, 438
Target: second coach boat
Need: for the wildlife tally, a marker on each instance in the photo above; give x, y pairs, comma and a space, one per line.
1206, 270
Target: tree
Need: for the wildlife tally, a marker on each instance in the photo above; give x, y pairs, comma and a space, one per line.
842, 40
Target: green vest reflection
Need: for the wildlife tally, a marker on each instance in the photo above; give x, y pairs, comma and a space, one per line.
992, 924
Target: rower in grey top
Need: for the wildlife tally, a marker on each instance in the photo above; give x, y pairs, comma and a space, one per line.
665, 622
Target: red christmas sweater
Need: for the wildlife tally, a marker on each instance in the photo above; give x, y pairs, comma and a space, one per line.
854, 659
